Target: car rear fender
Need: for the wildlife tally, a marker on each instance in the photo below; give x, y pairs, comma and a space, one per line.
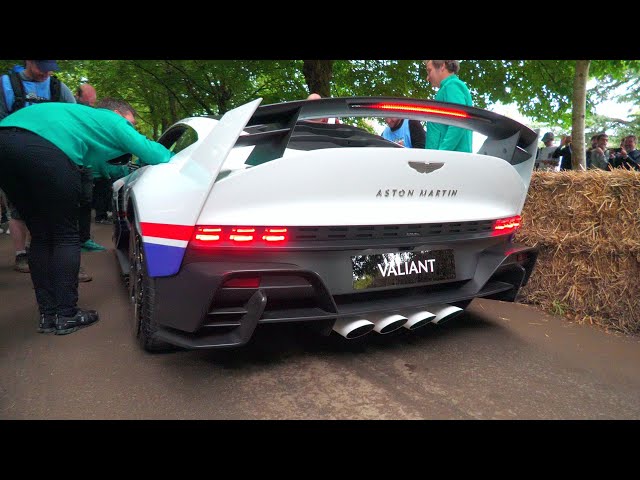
168, 198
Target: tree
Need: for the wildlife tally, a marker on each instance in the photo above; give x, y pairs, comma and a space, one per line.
547, 91
318, 74
578, 157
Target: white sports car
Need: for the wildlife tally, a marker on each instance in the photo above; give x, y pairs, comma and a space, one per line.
268, 215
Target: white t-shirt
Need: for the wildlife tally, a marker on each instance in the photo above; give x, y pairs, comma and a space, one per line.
546, 153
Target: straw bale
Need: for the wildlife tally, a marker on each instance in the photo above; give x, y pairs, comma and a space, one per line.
587, 227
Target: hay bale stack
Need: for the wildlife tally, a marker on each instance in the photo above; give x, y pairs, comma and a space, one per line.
587, 226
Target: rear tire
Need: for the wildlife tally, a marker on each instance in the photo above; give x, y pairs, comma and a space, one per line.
142, 290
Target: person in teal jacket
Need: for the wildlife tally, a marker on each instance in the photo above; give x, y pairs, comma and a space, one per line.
42, 149
442, 74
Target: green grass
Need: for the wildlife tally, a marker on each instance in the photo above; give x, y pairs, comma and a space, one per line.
559, 308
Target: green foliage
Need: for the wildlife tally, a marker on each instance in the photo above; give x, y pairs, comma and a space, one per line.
163, 91
559, 308
379, 78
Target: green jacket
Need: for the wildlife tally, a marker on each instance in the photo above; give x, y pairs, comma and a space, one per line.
445, 137
89, 136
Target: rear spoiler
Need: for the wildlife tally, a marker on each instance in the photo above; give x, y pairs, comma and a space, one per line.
506, 138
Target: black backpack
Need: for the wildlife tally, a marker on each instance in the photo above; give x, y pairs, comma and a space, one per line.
20, 99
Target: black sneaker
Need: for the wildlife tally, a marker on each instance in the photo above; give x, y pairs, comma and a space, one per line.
47, 323
84, 318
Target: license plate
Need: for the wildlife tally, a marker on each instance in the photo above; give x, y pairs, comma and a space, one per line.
402, 268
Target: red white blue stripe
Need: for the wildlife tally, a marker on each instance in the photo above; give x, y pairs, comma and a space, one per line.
164, 246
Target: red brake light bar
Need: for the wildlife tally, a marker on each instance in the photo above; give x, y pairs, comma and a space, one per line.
242, 234
218, 236
274, 234
504, 226
408, 107
207, 234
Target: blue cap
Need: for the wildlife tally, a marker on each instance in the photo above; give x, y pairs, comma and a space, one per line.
47, 65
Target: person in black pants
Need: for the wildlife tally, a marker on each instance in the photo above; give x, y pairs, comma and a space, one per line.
49, 200
102, 199
42, 149
86, 95
87, 198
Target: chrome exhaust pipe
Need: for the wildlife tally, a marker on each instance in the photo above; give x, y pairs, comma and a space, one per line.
419, 319
353, 327
444, 313
385, 323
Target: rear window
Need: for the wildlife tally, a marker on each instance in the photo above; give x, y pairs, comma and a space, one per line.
314, 135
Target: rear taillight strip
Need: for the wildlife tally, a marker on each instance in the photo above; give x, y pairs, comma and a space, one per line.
505, 226
214, 236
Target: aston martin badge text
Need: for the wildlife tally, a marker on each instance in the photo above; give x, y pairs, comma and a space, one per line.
401, 192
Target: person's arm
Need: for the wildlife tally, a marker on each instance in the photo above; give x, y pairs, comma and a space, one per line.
149, 152
418, 135
66, 95
559, 152
115, 172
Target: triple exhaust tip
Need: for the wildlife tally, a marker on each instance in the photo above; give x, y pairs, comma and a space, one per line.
384, 323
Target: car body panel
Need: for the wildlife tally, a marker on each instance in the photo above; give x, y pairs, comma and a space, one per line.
174, 193
366, 186
344, 195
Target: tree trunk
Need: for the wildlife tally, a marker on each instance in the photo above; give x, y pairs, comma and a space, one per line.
318, 74
578, 156
223, 96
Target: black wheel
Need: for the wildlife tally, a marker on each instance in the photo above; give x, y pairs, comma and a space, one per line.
143, 297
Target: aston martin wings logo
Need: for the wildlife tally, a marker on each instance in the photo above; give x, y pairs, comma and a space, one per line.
426, 167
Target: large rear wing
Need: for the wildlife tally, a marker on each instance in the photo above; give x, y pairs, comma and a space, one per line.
506, 138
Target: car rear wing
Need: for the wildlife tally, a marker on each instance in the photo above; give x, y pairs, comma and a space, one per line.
506, 138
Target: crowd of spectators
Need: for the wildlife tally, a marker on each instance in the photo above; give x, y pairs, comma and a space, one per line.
598, 156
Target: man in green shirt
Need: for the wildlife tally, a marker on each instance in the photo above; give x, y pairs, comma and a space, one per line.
442, 74
42, 149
